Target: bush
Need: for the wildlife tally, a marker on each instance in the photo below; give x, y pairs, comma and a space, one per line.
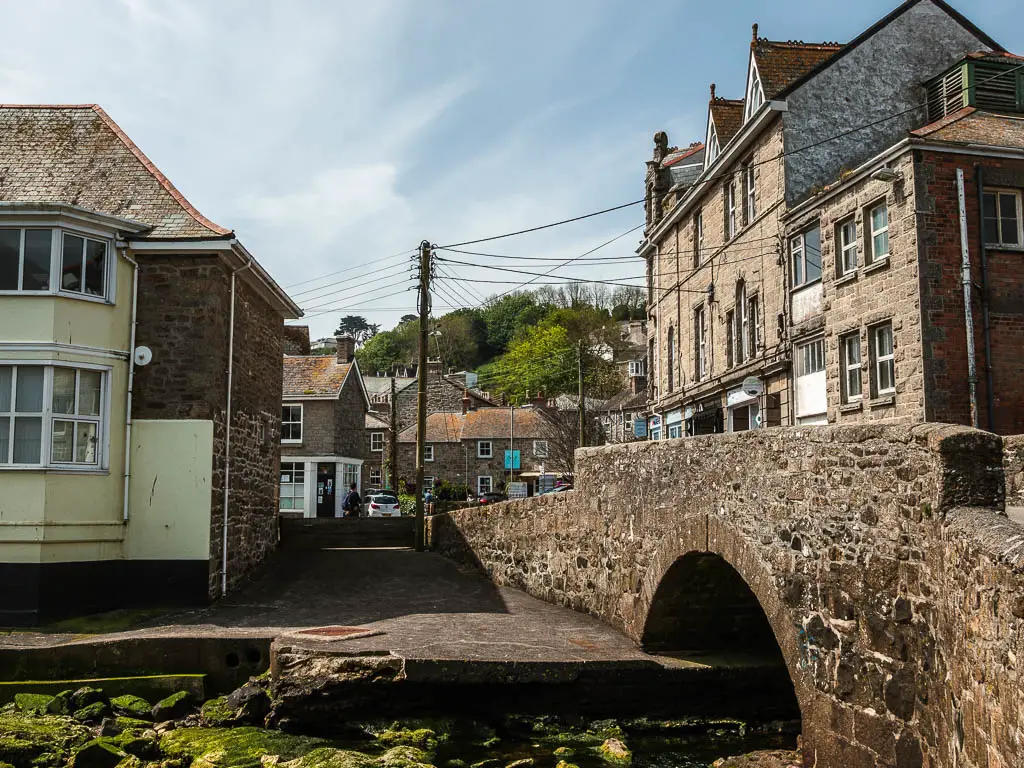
407, 503
446, 491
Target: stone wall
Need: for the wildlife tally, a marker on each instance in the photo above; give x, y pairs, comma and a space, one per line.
892, 581
452, 460
1013, 467
443, 395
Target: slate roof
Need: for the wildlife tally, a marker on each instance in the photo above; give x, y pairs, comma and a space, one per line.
373, 422
481, 424
76, 154
971, 126
626, 401
314, 375
441, 428
728, 117
780, 64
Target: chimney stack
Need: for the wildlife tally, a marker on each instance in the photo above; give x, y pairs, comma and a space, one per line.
539, 401
465, 401
346, 348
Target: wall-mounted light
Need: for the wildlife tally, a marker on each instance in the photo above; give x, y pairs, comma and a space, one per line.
887, 174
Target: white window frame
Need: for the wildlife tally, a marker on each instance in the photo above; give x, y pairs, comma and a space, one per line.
377, 442
480, 482
847, 263
47, 417
750, 183
730, 209
755, 92
798, 255
57, 261
753, 340
301, 486
480, 453
376, 475
742, 324
850, 369
713, 147
428, 483
871, 255
1000, 241
637, 368
700, 332
809, 357
878, 359
300, 422
698, 238
428, 452
540, 449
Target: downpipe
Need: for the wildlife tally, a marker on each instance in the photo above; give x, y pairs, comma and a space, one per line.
979, 180
965, 279
131, 384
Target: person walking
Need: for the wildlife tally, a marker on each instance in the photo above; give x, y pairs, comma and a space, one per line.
428, 501
352, 502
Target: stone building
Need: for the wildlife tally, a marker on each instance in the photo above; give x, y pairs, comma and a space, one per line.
377, 450
139, 385
323, 428
747, 311
468, 448
444, 394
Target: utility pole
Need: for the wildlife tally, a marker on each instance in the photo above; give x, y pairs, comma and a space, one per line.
511, 440
393, 440
421, 391
582, 404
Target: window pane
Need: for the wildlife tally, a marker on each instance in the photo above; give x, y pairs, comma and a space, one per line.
880, 245
71, 264
85, 442
879, 218
884, 337
62, 441
796, 248
5, 438
28, 440
10, 250
63, 390
6, 376
36, 276
991, 220
95, 267
89, 386
30, 390
812, 246
1008, 215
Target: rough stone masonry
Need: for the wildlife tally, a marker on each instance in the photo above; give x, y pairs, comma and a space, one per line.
890, 575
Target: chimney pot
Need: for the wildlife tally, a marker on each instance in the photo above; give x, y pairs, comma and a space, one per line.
346, 348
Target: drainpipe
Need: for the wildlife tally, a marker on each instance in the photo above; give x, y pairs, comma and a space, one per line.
227, 433
965, 269
131, 383
979, 180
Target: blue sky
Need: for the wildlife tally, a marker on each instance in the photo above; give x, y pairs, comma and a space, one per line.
333, 134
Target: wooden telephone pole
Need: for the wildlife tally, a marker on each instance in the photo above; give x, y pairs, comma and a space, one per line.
421, 391
582, 407
393, 441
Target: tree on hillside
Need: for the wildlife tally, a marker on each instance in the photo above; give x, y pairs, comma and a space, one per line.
358, 328
508, 317
388, 348
629, 303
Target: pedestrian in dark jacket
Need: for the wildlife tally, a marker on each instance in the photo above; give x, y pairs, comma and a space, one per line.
352, 503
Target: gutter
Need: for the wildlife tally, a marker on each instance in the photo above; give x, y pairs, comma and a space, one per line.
227, 432
965, 271
131, 382
979, 180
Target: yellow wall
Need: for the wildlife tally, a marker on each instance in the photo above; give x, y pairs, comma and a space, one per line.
171, 491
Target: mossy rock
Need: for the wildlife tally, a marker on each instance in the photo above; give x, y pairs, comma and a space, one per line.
174, 707
132, 723
563, 752
564, 764
61, 704
217, 712
98, 753
405, 757
326, 757
616, 752
131, 706
84, 697
526, 762
423, 738
140, 742
33, 703
46, 740
234, 746
92, 713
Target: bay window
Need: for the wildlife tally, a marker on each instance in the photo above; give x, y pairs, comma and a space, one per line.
52, 416
53, 261
805, 257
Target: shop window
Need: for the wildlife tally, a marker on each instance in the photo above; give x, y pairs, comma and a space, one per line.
293, 486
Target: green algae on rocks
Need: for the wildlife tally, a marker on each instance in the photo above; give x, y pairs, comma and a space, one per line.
131, 706
235, 746
327, 757
615, 752
38, 741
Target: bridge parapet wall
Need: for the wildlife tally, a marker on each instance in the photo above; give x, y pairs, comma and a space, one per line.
891, 578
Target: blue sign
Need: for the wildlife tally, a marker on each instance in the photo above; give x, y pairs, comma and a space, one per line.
512, 459
640, 428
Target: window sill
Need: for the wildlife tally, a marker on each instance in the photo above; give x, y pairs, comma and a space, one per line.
1004, 247
849, 277
882, 401
291, 442
59, 295
875, 266
52, 470
804, 286
851, 407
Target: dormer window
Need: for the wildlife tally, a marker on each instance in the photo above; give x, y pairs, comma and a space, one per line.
713, 148
992, 83
755, 93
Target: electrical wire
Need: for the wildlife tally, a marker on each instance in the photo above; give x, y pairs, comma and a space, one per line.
350, 278
348, 269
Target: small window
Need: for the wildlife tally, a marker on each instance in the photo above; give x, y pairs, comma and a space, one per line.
25, 259
849, 357
713, 147
730, 338
671, 359
846, 239
375, 476
428, 484
805, 257
810, 357
753, 341
698, 239
293, 485
291, 424
83, 265
428, 452
377, 441
76, 404
483, 484
700, 331
878, 241
637, 368
1002, 214
540, 449
730, 209
484, 449
750, 185
882, 359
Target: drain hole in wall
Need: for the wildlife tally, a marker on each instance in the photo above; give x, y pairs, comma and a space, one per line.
253, 656
232, 660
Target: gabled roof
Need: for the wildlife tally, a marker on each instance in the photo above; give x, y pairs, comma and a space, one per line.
678, 155
474, 393
626, 400
318, 377
781, 63
959, 18
727, 115
375, 422
493, 423
76, 154
441, 428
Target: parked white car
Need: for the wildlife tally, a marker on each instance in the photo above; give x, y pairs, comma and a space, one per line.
383, 505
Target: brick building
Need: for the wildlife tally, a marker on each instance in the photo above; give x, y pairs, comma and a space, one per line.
323, 428
468, 448
797, 238
139, 385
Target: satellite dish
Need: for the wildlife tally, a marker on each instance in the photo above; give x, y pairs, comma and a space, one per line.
143, 355
752, 386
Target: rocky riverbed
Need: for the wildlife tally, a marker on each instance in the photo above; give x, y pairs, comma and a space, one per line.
86, 729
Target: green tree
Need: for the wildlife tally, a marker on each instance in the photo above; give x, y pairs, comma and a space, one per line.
358, 328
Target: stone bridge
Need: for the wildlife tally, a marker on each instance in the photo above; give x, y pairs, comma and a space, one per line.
877, 563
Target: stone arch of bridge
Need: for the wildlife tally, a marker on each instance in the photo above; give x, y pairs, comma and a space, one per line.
734, 599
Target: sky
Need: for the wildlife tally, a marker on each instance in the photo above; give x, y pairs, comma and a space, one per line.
333, 136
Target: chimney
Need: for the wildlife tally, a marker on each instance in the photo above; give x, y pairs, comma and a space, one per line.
539, 401
346, 348
465, 401
433, 368
637, 384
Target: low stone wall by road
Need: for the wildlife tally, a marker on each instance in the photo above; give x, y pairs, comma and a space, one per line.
890, 576
1013, 465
